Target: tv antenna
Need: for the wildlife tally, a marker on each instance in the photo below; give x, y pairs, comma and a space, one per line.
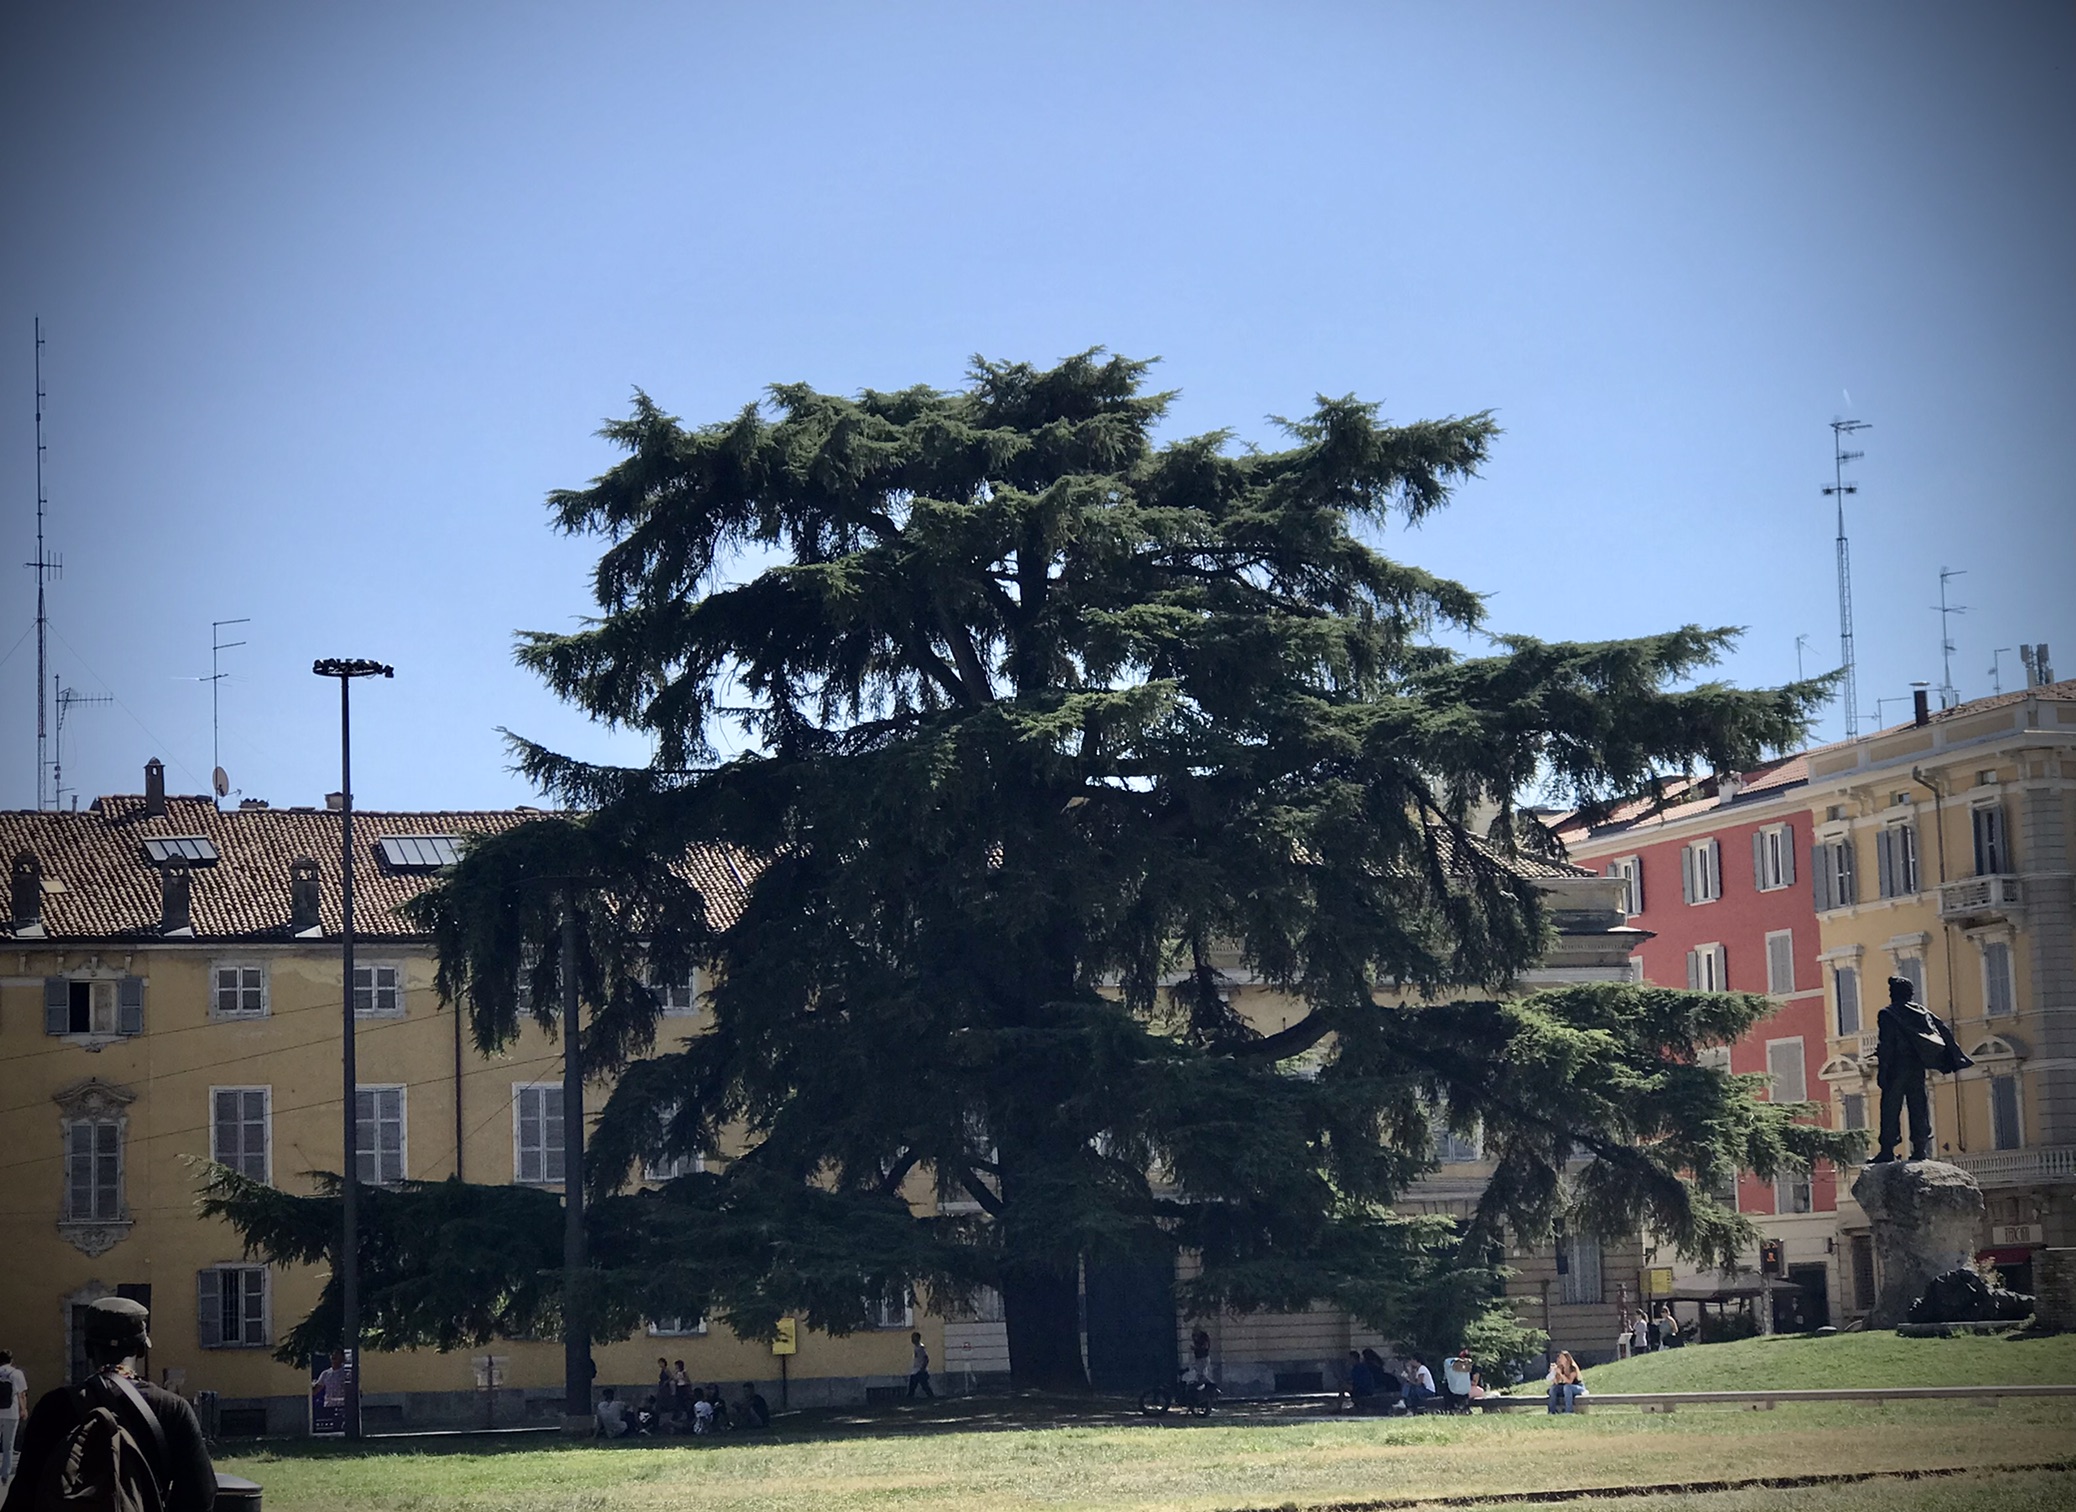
1801, 641
1997, 669
1838, 489
1947, 696
47, 568
219, 782
66, 699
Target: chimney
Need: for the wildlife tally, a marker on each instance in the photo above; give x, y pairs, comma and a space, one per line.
154, 789
176, 912
303, 897
335, 801
25, 892
1920, 708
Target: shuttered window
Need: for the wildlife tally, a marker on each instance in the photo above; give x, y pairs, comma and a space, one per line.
1791, 1192
1708, 969
93, 1005
1785, 1065
1996, 978
1845, 987
378, 1139
1992, 853
1701, 871
1773, 857
2004, 1123
1895, 854
1852, 1110
537, 1132
239, 1136
232, 1307
1780, 962
1836, 882
94, 1170
1630, 870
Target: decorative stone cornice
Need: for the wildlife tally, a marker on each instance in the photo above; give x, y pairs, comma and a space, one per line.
93, 1098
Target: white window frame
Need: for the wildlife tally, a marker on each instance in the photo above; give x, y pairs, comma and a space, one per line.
1773, 857
1793, 1193
1630, 870
91, 1124
677, 999
520, 1093
393, 989
1838, 969
1708, 969
2018, 1108
1774, 1091
1988, 949
1999, 839
674, 1328
376, 1091
213, 1275
250, 992
217, 1152
1701, 871
1780, 950
883, 1317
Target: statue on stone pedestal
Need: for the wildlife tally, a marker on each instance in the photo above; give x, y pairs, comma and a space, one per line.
1911, 1041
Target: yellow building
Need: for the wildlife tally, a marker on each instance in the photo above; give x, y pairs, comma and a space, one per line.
172, 994
1943, 852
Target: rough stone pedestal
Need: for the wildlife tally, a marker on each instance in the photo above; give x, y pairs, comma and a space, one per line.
1927, 1220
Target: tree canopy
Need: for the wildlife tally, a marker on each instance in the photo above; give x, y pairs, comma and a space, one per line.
1048, 729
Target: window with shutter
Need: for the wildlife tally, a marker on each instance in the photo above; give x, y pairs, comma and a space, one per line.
1997, 997
537, 1132
1852, 1108
378, 1114
1630, 870
2004, 1123
1991, 855
1784, 1065
1913, 968
57, 1005
1845, 987
1791, 1192
239, 1134
94, 1170
129, 1006
233, 1307
1780, 962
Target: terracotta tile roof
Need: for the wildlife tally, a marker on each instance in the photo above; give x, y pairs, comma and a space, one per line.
1683, 796
99, 884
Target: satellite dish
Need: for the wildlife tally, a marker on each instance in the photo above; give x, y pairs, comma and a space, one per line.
221, 781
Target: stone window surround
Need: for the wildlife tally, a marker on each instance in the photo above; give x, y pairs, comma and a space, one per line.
95, 1101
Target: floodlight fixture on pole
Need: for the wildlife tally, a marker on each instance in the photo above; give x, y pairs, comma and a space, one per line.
346, 670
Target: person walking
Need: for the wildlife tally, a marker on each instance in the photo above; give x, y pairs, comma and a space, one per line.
14, 1388
919, 1368
1639, 1333
116, 1331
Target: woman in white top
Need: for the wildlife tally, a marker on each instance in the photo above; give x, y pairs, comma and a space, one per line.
13, 1386
1639, 1334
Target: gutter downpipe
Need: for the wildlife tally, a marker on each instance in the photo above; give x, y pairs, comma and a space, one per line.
1917, 775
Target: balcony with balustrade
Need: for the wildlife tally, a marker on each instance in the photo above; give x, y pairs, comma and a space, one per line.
2009, 1168
1980, 899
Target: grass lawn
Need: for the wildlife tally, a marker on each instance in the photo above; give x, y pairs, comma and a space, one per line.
935, 1460
1799, 1362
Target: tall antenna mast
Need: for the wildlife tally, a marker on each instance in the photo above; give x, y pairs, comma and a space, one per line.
218, 782
1839, 488
46, 568
1948, 695
67, 699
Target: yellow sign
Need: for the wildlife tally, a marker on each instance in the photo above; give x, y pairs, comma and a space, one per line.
1658, 1281
786, 1341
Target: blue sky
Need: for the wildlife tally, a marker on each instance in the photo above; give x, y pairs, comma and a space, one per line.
335, 295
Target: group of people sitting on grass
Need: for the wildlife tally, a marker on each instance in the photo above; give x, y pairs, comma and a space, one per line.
677, 1406
1373, 1386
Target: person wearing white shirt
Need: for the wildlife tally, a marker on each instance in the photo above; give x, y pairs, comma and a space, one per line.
612, 1416
1419, 1384
13, 1387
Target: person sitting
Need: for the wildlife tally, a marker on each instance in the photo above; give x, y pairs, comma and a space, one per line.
752, 1411
721, 1424
1418, 1389
648, 1418
1460, 1384
1362, 1383
702, 1412
1565, 1383
612, 1416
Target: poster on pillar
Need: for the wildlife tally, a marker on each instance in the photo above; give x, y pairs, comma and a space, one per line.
330, 1380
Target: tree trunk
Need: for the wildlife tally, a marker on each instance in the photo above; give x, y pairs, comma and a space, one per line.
1042, 1309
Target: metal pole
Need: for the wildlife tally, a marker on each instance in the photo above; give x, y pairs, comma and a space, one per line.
349, 1246
576, 1338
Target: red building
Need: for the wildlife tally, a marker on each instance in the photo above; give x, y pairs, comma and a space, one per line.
1719, 873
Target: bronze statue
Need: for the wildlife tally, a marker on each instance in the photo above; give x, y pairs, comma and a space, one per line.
1911, 1041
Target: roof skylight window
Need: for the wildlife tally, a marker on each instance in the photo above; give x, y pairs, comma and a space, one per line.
421, 852
197, 850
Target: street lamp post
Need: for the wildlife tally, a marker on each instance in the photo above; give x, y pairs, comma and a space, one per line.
349, 1176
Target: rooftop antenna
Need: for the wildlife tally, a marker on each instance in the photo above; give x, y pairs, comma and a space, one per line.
1997, 669
46, 568
1801, 641
66, 699
1838, 490
1947, 696
219, 782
